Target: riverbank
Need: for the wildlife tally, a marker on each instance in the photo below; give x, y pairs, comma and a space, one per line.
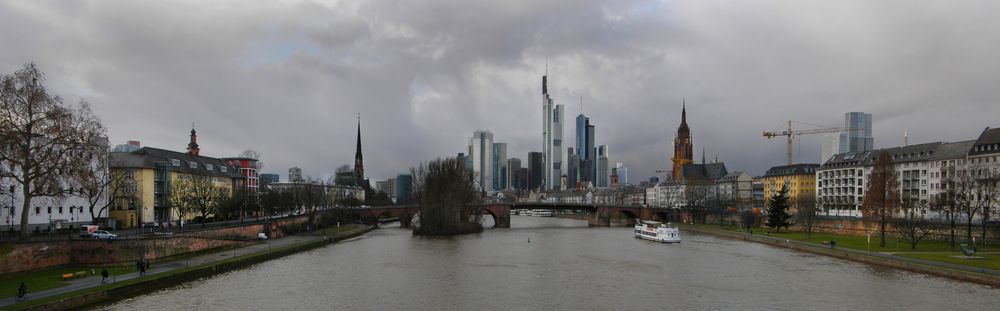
942, 269
93, 293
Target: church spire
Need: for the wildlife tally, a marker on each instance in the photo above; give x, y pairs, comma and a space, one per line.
359, 167
683, 111
193, 145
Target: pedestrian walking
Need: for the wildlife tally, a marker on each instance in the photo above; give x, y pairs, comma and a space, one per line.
104, 276
142, 268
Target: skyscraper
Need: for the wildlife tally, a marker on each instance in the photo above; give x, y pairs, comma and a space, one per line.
536, 170
514, 175
859, 131
683, 147
622, 173
857, 136
500, 166
481, 156
552, 128
585, 149
572, 168
603, 171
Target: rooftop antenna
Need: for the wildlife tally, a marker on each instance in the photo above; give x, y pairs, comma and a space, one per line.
581, 104
906, 138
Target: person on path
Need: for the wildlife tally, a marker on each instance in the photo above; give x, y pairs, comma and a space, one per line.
104, 276
22, 291
142, 268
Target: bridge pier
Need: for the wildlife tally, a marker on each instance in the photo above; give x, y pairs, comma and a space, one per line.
503, 220
405, 220
599, 218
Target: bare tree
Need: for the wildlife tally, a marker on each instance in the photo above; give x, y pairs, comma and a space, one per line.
196, 194
696, 200
99, 185
806, 211
912, 225
881, 201
253, 154
42, 137
969, 194
989, 195
946, 202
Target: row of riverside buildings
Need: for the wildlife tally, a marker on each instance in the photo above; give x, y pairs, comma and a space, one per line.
141, 185
924, 174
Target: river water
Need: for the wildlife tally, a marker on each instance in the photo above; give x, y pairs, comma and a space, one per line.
548, 263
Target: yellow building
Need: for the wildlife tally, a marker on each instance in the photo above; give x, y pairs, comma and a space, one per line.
800, 178
143, 180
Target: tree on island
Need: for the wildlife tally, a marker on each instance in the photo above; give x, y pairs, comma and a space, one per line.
777, 209
43, 139
882, 199
443, 188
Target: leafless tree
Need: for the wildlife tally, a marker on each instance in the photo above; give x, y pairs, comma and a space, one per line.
881, 202
253, 154
42, 137
912, 225
806, 211
946, 202
970, 194
696, 202
99, 185
196, 194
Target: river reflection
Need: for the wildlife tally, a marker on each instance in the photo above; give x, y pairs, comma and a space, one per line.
548, 263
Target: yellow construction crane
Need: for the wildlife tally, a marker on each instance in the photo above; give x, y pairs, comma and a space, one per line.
790, 134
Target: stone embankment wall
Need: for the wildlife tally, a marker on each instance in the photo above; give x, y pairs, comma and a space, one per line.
26, 256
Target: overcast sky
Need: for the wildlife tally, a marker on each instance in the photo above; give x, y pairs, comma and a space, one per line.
288, 78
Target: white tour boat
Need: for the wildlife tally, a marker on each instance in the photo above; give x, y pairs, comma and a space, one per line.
657, 231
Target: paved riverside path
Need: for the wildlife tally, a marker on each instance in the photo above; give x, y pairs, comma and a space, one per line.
95, 281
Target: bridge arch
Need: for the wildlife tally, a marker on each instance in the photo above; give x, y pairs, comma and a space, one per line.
630, 216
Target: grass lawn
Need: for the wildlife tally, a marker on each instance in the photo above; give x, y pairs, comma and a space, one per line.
992, 260
331, 231
51, 278
861, 242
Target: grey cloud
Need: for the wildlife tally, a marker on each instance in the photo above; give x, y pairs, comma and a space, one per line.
289, 78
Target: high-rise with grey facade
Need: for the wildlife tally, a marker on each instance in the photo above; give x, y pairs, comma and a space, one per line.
481, 156
295, 174
552, 128
536, 170
585, 150
500, 177
856, 137
603, 171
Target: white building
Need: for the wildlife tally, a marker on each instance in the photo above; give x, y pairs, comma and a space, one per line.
552, 128
67, 211
481, 156
736, 187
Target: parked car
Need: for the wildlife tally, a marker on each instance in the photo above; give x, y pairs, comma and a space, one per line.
103, 235
87, 230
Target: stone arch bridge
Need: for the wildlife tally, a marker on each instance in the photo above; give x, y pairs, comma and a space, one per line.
598, 215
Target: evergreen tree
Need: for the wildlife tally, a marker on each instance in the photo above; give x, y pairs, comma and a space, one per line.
777, 209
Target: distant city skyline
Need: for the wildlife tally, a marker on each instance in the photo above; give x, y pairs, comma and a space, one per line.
288, 79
